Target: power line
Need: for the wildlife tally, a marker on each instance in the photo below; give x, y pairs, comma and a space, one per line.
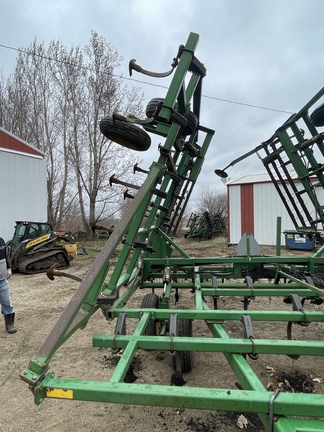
248, 105
145, 82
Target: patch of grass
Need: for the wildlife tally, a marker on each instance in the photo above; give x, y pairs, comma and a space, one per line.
205, 243
93, 248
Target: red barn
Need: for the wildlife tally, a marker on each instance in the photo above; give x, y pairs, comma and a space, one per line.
23, 187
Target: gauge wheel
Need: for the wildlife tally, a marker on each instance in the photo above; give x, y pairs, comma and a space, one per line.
151, 301
126, 134
192, 121
191, 126
152, 106
317, 116
184, 330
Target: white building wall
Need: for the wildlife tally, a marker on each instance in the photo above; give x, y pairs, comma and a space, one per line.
23, 190
267, 208
234, 221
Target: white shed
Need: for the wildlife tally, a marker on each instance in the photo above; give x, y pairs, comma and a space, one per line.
254, 206
23, 184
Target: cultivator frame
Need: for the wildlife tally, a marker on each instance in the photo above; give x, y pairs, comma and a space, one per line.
205, 225
295, 152
150, 260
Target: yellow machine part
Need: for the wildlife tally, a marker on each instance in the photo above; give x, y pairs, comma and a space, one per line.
71, 250
36, 241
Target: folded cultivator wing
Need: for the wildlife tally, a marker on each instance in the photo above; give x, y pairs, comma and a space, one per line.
150, 262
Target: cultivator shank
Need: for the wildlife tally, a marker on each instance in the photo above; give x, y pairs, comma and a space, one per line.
180, 291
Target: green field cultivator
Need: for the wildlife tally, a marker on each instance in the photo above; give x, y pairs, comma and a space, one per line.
180, 291
205, 226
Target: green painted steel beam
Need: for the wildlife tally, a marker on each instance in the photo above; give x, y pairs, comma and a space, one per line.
177, 83
206, 284
202, 344
231, 289
259, 292
226, 315
284, 424
290, 404
242, 260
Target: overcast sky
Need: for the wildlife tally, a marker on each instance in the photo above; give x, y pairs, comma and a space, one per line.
264, 59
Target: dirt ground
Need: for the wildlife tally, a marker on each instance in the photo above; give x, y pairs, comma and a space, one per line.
38, 303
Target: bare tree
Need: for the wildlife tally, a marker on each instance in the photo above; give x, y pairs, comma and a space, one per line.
2, 98
54, 100
211, 219
31, 95
213, 201
103, 94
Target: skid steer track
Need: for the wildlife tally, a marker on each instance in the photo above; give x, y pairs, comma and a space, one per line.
40, 263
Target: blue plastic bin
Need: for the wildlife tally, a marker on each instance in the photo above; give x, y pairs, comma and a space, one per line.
297, 240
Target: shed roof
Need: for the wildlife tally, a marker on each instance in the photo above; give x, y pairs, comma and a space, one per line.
11, 143
256, 178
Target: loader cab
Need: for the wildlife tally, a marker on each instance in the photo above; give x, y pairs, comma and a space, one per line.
28, 231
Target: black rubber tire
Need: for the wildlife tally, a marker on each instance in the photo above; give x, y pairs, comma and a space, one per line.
152, 105
192, 121
184, 330
150, 301
126, 134
317, 116
191, 126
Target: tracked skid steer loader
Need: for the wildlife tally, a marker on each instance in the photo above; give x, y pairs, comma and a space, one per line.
35, 247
